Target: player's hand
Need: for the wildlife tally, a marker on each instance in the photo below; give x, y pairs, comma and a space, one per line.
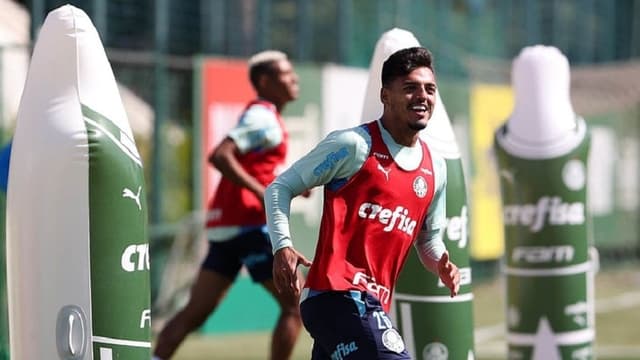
285, 274
448, 273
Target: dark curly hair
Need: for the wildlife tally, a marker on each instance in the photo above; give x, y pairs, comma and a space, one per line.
404, 61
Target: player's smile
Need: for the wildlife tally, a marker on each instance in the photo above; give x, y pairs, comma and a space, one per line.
420, 110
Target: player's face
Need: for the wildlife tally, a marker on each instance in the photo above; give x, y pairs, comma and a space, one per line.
284, 82
411, 98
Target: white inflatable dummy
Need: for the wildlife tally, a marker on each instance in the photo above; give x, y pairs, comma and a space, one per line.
543, 123
77, 253
542, 152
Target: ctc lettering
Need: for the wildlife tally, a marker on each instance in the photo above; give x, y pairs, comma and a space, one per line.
135, 258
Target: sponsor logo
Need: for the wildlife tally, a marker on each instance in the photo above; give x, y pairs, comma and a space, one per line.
420, 187
456, 229
380, 291
343, 350
392, 341
145, 318
380, 155
549, 210
384, 171
584, 353
128, 193
573, 175
578, 312
135, 258
330, 161
465, 277
426, 171
543, 254
398, 218
435, 351
513, 316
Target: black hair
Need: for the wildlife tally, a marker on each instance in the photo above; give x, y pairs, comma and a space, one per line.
263, 68
404, 61
264, 63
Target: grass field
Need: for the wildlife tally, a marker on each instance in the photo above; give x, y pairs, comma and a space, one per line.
617, 324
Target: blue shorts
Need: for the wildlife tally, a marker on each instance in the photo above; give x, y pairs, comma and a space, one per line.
350, 325
251, 249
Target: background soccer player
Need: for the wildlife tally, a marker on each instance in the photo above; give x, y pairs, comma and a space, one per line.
236, 228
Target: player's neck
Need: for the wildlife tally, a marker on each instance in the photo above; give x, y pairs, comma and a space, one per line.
404, 137
277, 103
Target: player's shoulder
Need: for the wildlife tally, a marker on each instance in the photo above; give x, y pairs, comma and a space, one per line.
437, 159
357, 135
439, 165
260, 108
261, 105
258, 113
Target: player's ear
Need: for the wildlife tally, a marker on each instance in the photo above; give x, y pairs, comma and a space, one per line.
263, 81
384, 95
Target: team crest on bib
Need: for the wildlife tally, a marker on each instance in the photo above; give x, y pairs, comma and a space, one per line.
392, 340
420, 186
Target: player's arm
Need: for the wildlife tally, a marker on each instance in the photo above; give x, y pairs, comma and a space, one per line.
224, 159
277, 200
257, 129
429, 245
335, 158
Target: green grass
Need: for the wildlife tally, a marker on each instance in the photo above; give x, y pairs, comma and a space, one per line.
617, 335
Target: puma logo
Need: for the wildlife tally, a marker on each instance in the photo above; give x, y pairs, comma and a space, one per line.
127, 193
384, 171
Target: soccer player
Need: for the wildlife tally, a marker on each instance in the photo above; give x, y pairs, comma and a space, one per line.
236, 228
383, 192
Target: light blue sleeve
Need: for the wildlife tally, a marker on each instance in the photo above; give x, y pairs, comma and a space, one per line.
334, 160
337, 157
257, 129
429, 242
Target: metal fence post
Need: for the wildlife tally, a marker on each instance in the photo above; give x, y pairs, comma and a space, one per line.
160, 107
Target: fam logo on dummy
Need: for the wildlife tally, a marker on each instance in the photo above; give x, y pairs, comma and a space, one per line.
77, 252
419, 294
